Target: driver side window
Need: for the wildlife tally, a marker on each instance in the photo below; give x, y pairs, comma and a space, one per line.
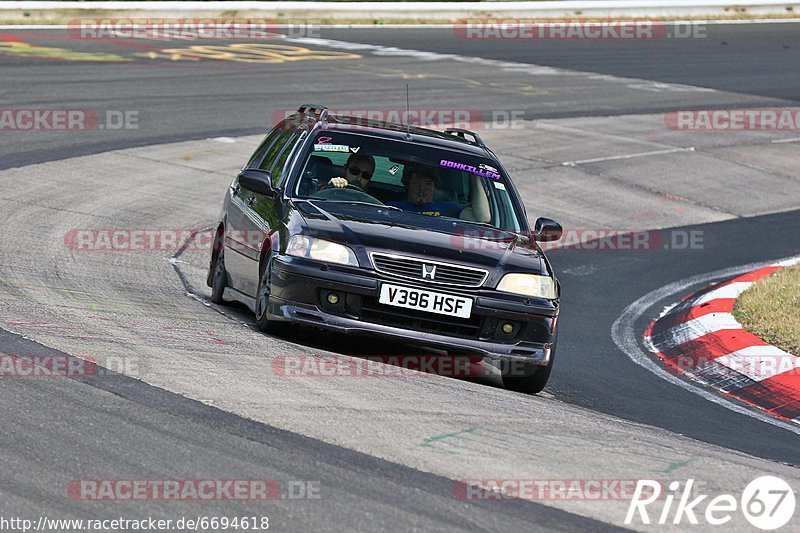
319, 169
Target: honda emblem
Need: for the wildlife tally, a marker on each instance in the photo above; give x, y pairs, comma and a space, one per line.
428, 272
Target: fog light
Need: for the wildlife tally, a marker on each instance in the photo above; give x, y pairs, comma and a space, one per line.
508, 328
333, 298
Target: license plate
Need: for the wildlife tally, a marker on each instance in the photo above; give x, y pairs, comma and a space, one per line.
430, 301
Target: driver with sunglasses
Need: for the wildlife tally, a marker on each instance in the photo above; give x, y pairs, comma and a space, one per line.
358, 171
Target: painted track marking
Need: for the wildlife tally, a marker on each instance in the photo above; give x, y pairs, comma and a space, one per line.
717, 351
625, 337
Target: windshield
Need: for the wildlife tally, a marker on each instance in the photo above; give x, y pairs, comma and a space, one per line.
421, 181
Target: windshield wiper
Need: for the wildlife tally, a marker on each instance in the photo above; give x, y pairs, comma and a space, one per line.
359, 202
486, 224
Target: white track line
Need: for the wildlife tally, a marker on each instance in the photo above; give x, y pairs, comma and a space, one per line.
506, 66
781, 141
627, 156
625, 337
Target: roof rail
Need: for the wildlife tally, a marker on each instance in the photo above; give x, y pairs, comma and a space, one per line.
320, 112
313, 108
462, 134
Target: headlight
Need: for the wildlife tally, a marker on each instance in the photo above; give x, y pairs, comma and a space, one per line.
319, 250
528, 285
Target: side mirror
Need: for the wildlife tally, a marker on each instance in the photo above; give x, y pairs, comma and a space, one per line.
546, 230
258, 181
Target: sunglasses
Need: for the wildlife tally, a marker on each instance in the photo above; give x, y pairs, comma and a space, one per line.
355, 171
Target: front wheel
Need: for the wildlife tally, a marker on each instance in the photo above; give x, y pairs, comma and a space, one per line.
527, 378
219, 278
262, 303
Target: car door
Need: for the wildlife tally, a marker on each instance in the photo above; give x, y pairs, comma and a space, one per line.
236, 261
256, 215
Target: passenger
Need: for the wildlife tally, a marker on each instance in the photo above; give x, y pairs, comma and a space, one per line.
420, 185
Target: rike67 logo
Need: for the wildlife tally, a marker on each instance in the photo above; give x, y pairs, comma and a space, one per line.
767, 503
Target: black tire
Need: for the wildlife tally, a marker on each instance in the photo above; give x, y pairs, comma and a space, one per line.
218, 277
528, 379
263, 322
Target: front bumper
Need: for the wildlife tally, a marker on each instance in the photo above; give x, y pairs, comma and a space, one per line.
298, 295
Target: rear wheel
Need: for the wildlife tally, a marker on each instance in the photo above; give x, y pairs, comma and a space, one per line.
219, 278
527, 378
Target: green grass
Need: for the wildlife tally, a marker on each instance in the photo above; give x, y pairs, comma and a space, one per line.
771, 309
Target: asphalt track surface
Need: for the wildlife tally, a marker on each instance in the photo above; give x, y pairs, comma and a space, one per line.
160, 434
749, 59
758, 64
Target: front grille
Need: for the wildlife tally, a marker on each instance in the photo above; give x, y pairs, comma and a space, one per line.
428, 271
399, 317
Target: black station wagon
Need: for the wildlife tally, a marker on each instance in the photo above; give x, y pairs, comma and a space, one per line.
382, 229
